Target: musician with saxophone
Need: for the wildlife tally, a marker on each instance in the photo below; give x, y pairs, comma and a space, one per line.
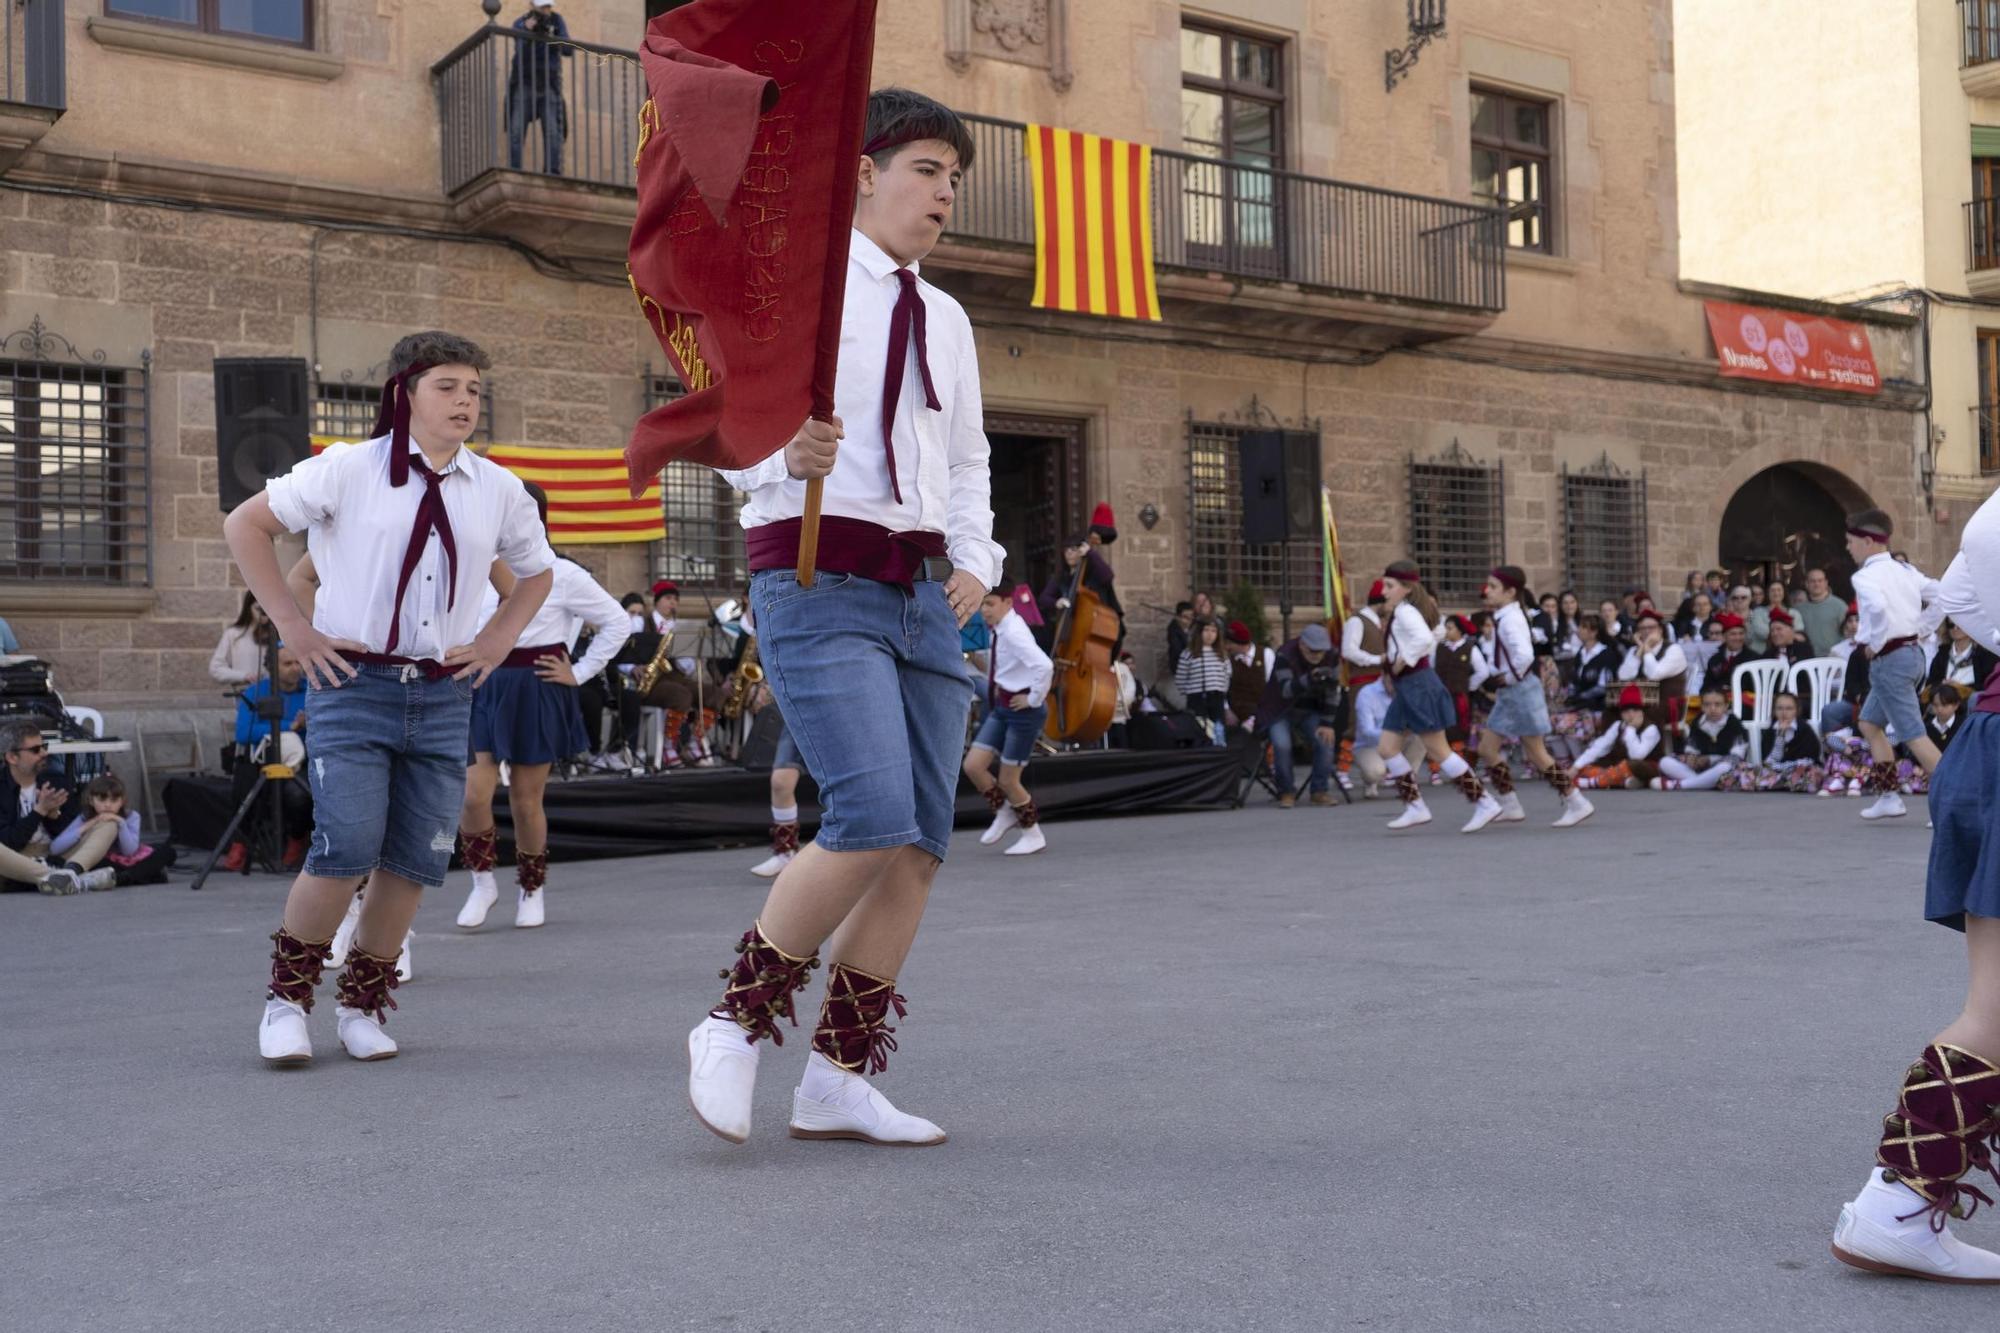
528, 715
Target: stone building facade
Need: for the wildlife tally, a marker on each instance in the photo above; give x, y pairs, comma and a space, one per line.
1350, 278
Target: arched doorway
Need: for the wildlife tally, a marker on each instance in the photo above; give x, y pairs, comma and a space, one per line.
1788, 519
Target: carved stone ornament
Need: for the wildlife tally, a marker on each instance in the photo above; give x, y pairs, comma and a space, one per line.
1020, 32
1013, 24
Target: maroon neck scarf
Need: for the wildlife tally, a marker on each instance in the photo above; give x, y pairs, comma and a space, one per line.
393, 419
905, 320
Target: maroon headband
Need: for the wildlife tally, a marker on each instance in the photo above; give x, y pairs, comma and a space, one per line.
1865, 535
892, 140
1505, 580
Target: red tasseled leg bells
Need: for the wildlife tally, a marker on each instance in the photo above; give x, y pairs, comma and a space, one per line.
365, 983
1502, 778
478, 850
295, 968
784, 838
1949, 1107
531, 870
761, 986
854, 1029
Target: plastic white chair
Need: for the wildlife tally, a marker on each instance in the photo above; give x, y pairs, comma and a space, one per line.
86, 717
1824, 677
652, 745
1765, 678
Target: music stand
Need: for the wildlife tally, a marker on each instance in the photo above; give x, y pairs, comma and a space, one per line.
267, 843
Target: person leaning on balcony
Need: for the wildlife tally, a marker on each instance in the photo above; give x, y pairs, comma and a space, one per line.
534, 84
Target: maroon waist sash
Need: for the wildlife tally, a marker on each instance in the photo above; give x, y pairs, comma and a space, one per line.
527, 657
850, 546
1893, 645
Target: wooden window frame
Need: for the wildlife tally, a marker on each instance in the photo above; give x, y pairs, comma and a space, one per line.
208, 22
1514, 149
1986, 412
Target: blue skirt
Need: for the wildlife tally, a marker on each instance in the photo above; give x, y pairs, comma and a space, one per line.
1965, 846
519, 718
1422, 705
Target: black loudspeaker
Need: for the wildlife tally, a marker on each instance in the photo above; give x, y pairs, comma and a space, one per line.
1165, 731
1279, 472
760, 747
263, 423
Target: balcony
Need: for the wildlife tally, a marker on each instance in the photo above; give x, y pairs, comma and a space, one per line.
1269, 252
1979, 49
32, 94
541, 158
1982, 246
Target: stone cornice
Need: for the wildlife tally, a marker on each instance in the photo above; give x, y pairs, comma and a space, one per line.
163, 39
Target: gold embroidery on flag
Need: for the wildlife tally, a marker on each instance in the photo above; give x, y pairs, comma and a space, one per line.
649, 121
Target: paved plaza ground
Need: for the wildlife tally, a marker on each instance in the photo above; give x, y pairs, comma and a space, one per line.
1261, 1070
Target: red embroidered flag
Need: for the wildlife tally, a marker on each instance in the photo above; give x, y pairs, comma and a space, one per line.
749, 144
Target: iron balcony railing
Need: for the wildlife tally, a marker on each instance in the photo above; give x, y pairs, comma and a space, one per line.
1980, 22
513, 100
1986, 430
1253, 222
1982, 233
31, 53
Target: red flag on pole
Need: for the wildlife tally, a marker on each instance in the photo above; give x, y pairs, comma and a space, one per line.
749, 144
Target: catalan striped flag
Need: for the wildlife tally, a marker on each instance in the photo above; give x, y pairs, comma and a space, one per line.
1333, 574
1093, 224
589, 501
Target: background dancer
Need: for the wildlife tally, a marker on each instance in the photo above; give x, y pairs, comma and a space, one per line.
1520, 709
403, 530
785, 767
1018, 676
1421, 706
866, 663
1891, 597
528, 715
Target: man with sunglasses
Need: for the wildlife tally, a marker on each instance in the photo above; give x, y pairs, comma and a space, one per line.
31, 813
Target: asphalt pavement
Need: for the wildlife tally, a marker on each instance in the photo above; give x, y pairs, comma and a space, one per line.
1252, 1070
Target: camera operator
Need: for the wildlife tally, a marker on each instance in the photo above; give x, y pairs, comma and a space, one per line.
254, 732
1300, 701
534, 84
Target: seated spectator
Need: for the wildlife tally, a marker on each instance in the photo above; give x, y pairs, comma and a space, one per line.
1768, 598
1819, 615
34, 808
1371, 705
1568, 611
1617, 629
1297, 707
132, 861
1739, 603
1791, 754
1701, 650
1692, 617
1844, 646
1947, 712
1597, 664
1716, 743
1202, 676
254, 749
1960, 662
1628, 753
1782, 641
1655, 658
1735, 651
240, 654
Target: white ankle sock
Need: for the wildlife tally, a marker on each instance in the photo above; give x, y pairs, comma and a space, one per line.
786, 814
827, 1082
1453, 766
1395, 766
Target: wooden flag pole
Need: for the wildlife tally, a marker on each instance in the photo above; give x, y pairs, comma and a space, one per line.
809, 532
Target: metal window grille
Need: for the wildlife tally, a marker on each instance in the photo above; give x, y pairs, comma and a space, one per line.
1458, 528
74, 467
1219, 557
1604, 530
345, 409
703, 549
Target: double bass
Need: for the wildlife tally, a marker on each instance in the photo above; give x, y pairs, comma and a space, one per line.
1085, 693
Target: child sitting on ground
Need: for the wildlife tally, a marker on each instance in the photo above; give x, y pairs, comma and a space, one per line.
1791, 754
133, 861
1947, 711
1716, 743
1627, 754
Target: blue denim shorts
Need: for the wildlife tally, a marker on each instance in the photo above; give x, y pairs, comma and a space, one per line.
386, 762
1893, 680
872, 683
1012, 732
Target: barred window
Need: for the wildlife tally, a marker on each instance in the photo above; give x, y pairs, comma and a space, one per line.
1457, 522
1604, 530
73, 471
1220, 558
703, 549
345, 409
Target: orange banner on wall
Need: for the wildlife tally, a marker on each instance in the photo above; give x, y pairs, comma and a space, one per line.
1784, 347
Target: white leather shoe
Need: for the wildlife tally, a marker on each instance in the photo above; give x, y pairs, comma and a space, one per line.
1510, 809
485, 893
1575, 810
363, 1036
1002, 821
343, 939
1869, 1236
1484, 811
282, 1038
722, 1076
1030, 842
769, 867
1889, 805
406, 970
851, 1108
1415, 813
529, 908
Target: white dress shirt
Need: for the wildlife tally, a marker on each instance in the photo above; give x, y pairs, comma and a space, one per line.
1350, 639
358, 527
1638, 743
941, 457
1482, 668
1017, 663
1411, 638
1970, 591
1513, 653
1891, 597
576, 600
1664, 663
1371, 705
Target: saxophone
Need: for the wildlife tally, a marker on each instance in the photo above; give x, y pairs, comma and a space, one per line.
650, 676
749, 675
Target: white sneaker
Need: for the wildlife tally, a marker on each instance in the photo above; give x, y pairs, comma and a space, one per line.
1888, 805
282, 1038
1002, 821
1484, 811
343, 939
1415, 813
1510, 809
769, 867
485, 893
1869, 1236
722, 1075
363, 1036
1030, 842
530, 909
100, 879
849, 1107
60, 881
405, 970
1575, 810
1369, 791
